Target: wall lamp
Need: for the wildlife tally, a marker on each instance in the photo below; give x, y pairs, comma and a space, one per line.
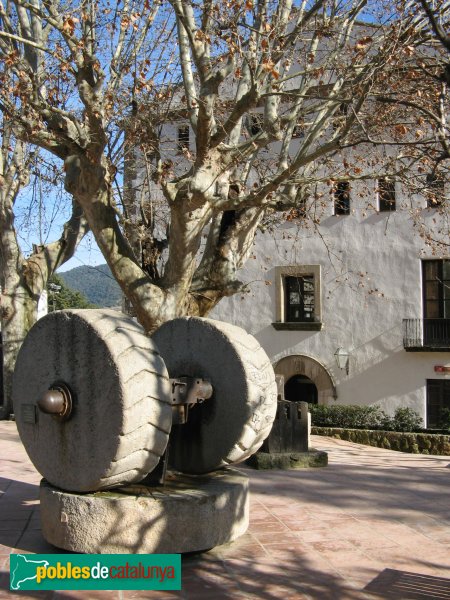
342, 359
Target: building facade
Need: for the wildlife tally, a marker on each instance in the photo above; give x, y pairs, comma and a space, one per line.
356, 309
350, 295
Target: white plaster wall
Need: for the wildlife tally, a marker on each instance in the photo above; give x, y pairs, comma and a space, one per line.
385, 249
381, 246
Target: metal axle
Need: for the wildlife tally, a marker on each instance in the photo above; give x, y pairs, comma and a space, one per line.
57, 401
186, 392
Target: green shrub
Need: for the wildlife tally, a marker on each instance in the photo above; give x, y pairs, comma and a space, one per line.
364, 417
423, 441
348, 416
405, 443
395, 444
406, 419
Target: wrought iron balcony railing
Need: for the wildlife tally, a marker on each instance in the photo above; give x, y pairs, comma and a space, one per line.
426, 335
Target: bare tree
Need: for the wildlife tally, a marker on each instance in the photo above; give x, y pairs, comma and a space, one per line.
437, 17
279, 96
22, 280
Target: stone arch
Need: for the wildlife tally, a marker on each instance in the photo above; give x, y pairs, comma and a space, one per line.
299, 364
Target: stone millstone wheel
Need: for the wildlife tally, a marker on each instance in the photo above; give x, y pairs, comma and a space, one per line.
121, 417
233, 423
189, 514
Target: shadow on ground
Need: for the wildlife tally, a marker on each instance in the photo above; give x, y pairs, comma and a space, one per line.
401, 493
389, 492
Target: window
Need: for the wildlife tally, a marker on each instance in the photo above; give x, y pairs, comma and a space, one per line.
298, 131
340, 116
299, 298
436, 289
302, 207
438, 401
342, 198
436, 303
183, 138
435, 190
386, 194
255, 123
298, 303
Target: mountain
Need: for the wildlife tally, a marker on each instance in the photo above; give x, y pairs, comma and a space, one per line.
96, 283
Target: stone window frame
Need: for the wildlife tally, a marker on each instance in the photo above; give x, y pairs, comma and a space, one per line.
280, 298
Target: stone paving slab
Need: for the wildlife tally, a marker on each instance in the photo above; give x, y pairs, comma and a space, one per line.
373, 524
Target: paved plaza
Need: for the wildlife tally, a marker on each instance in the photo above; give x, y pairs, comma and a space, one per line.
373, 524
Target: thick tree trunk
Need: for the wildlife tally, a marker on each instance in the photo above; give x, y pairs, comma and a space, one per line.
23, 280
18, 314
89, 183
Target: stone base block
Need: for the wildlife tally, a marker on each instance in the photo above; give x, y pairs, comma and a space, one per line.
189, 513
288, 460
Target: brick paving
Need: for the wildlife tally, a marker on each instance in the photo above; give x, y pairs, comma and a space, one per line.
373, 524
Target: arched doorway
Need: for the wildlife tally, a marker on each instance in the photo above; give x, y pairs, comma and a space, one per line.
301, 388
306, 371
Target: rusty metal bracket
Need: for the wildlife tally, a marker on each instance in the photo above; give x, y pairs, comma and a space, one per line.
186, 392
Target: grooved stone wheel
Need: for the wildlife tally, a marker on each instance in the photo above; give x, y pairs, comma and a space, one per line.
121, 417
230, 426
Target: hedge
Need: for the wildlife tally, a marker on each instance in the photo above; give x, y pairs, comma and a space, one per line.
415, 443
364, 417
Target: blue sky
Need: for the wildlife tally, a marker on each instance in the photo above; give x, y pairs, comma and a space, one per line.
88, 253
40, 216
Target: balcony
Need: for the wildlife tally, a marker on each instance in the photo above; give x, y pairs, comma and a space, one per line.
426, 335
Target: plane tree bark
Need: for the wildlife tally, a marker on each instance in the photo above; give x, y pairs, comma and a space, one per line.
23, 280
